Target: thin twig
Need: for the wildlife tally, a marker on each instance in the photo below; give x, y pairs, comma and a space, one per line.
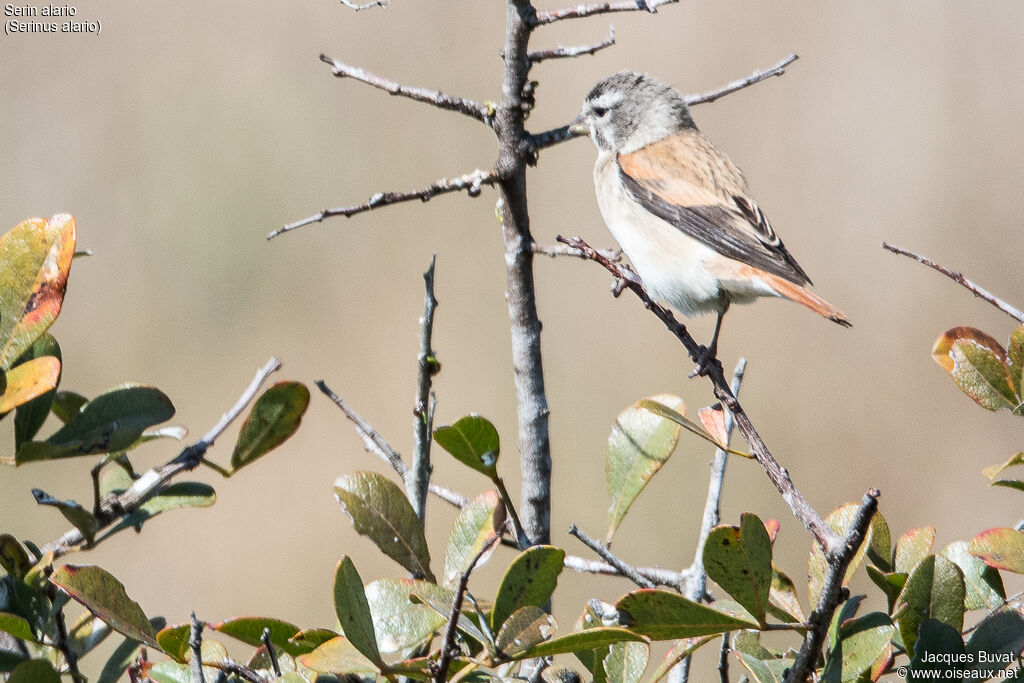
723, 658
556, 250
549, 138
418, 479
195, 642
697, 578
63, 643
629, 572
359, 8
152, 481
448, 644
470, 182
568, 52
475, 110
580, 11
827, 539
832, 593
756, 77
961, 280
271, 652
521, 539
373, 441
656, 575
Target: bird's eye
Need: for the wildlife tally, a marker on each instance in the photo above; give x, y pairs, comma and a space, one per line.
599, 112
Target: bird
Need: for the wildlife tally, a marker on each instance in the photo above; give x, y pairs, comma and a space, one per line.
680, 208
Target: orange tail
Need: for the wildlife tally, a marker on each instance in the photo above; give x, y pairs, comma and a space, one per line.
804, 296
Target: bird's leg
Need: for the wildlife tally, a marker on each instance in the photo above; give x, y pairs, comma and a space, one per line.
709, 354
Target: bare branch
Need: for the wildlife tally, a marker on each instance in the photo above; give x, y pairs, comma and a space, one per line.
474, 110
742, 83
152, 481
583, 10
556, 250
195, 643
656, 575
606, 555
470, 182
549, 138
961, 280
566, 52
417, 482
359, 8
827, 539
271, 652
832, 593
372, 440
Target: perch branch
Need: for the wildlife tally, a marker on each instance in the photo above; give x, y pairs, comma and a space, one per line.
556, 250
549, 138
470, 182
624, 569
418, 481
756, 77
152, 481
550, 16
577, 51
472, 109
832, 593
827, 539
961, 280
359, 8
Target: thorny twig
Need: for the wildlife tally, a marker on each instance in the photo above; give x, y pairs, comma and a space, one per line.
961, 280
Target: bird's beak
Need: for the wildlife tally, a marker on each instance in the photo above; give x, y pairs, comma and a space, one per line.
579, 126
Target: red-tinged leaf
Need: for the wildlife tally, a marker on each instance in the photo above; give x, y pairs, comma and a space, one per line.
984, 584
739, 559
249, 630
274, 417
913, 546
30, 416
338, 656
1000, 548
36, 256
354, 612
105, 597
713, 419
773, 527
13, 558
27, 381
641, 442
474, 528
1015, 352
663, 615
529, 580
978, 365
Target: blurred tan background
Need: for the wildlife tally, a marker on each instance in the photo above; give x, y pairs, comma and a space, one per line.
185, 132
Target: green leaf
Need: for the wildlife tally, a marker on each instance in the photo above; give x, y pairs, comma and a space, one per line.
680, 651
662, 615
763, 665
529, 580
476, 525
993, 471
859, 643
473, 441
591, 639
913, 546
935, 637
998, 639
310, 639
1015, 352
839, 521
442, 605
640, 443
29, 380
29, 417
36, 256
183, 494
380, 511
13, 557
249, 630
67, 404
983, 583
739, 559
105, 597
274, 417
124, 655
626, 662
399, 623
354, 612
16, 626
338, 656
113, 421
978, 365
174, 641
934, 590
890, 583
34, 671
783, 601
82, 519
1000, 548
526, 628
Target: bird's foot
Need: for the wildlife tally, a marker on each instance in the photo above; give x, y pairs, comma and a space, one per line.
707, 358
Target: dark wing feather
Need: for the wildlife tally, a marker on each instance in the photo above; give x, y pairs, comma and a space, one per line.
707, 201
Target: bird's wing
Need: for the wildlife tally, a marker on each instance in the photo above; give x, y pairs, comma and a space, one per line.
684, 180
